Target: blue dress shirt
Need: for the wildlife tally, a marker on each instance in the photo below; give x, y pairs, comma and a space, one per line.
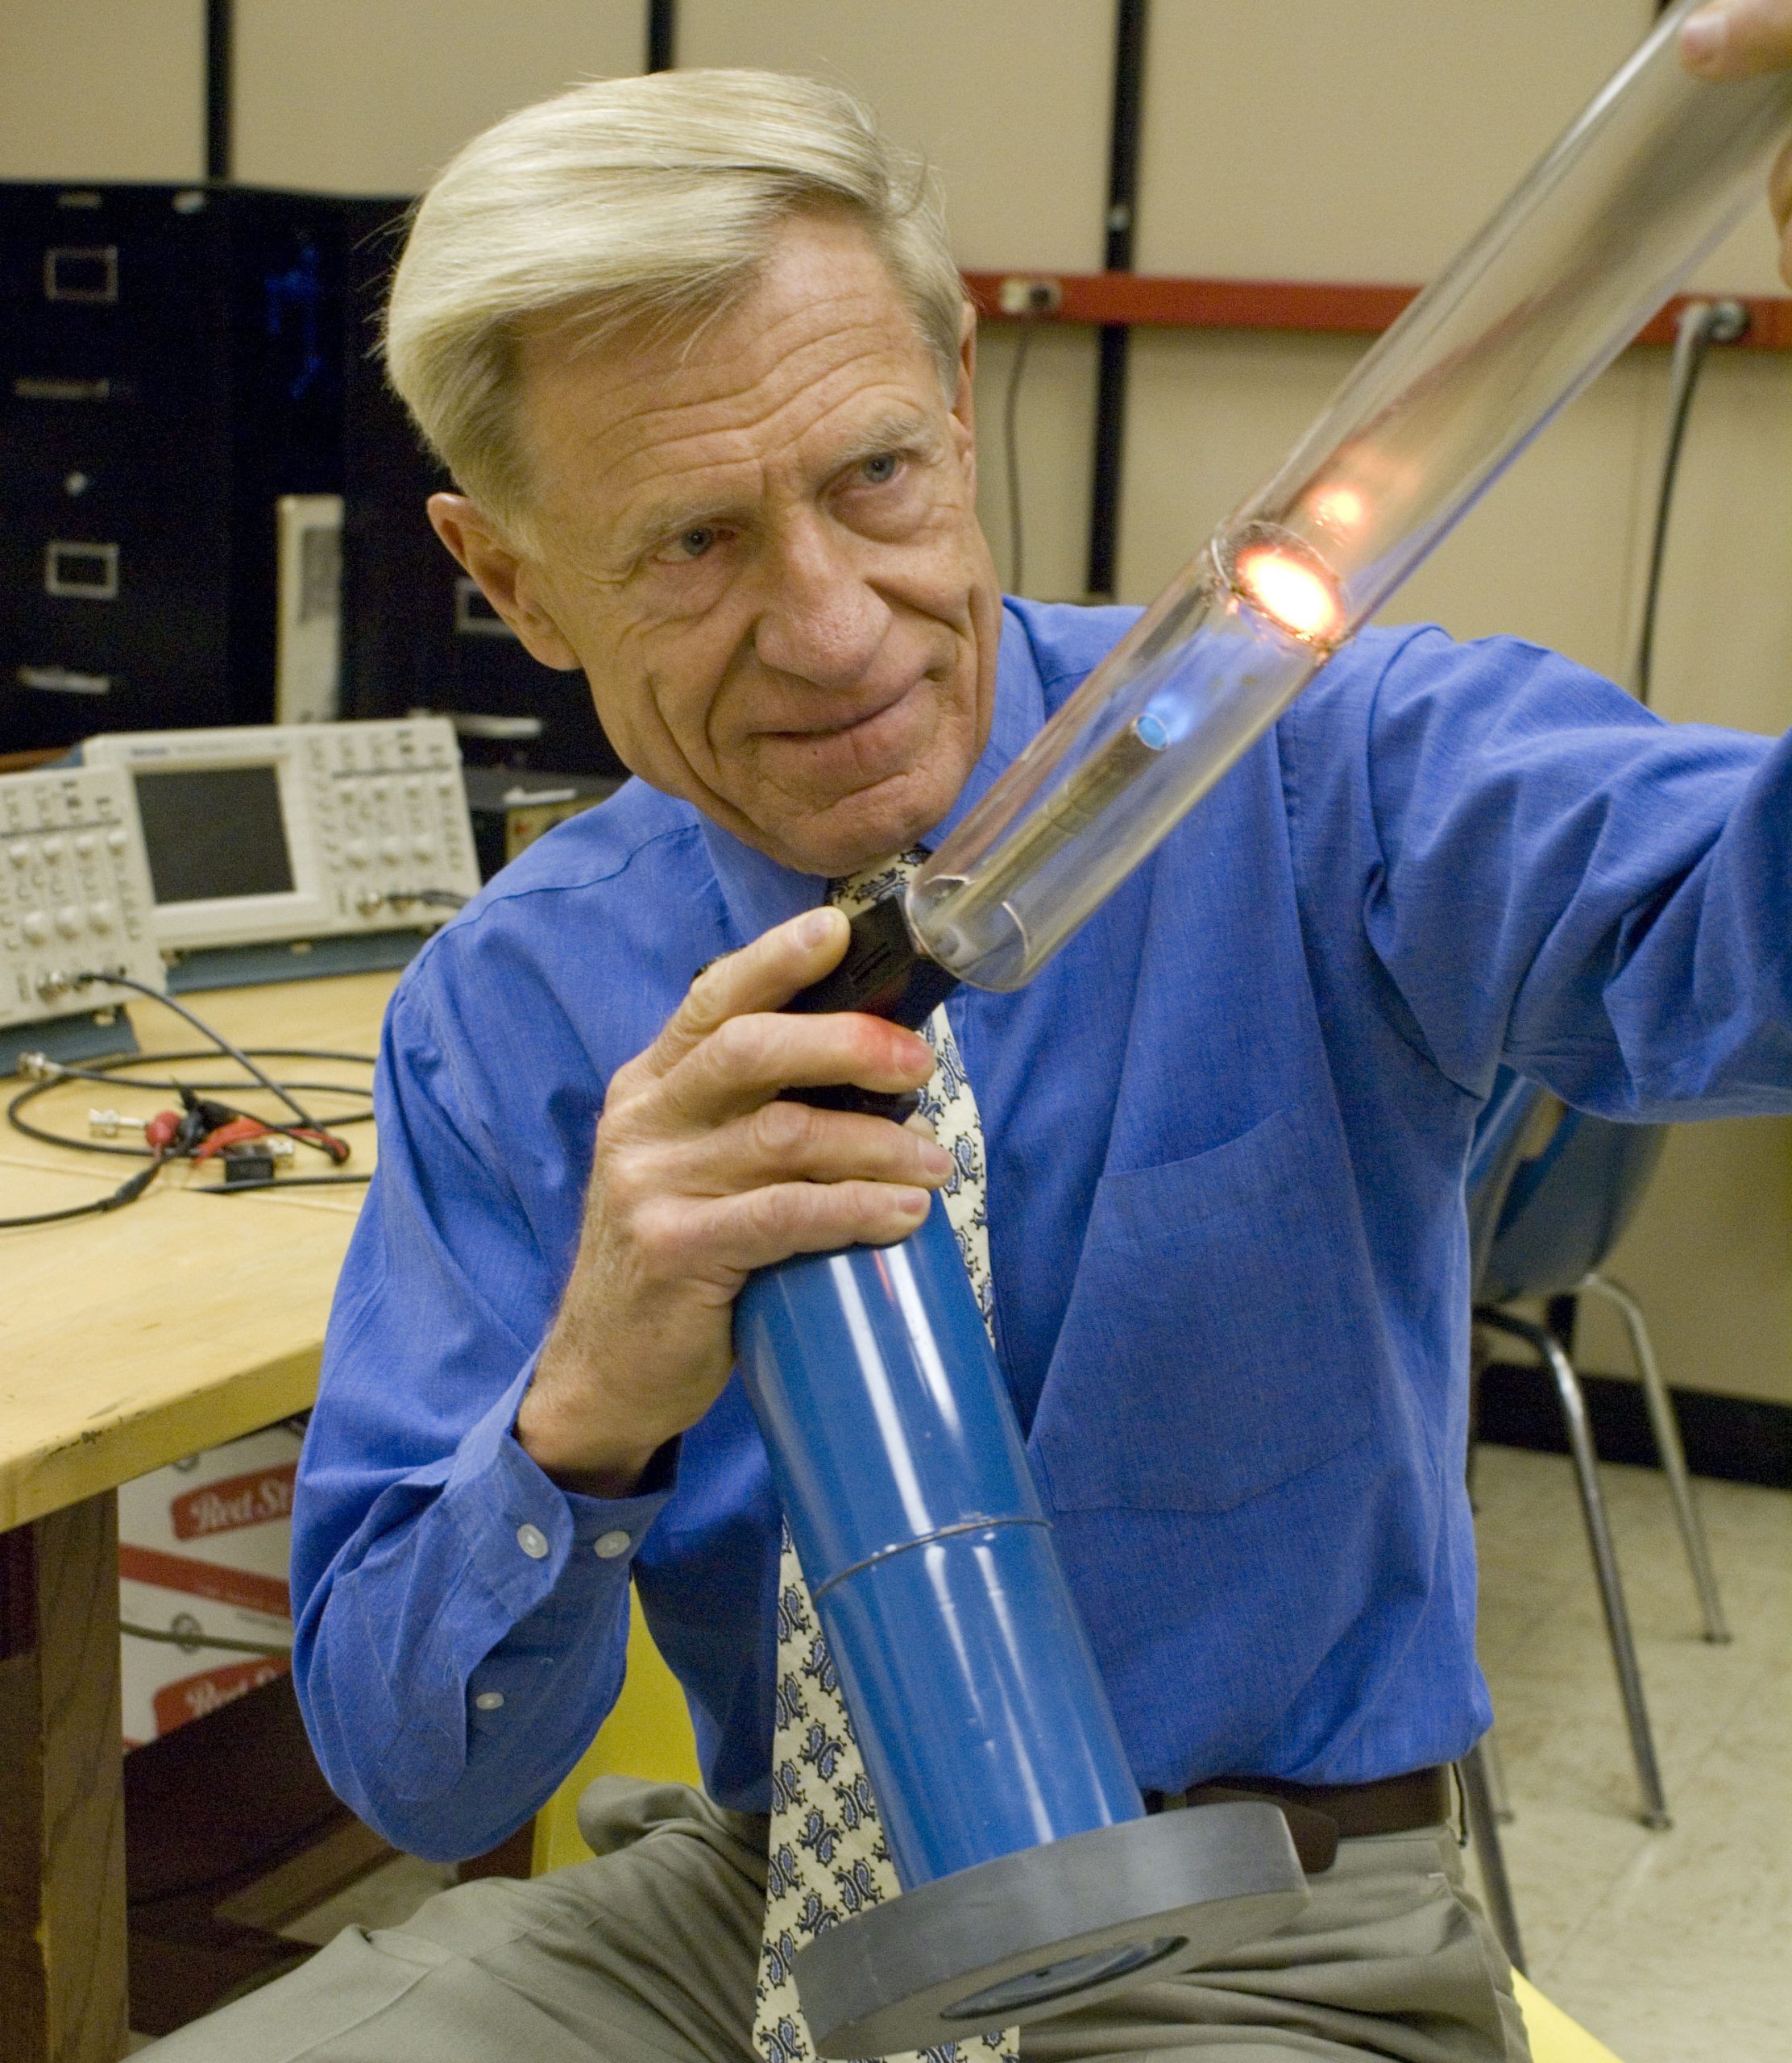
1227, 1128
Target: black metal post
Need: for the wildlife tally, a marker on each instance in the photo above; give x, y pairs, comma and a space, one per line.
1110, 382
220, 94
662, 35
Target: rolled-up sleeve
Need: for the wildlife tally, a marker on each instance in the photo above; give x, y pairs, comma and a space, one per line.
461, 1621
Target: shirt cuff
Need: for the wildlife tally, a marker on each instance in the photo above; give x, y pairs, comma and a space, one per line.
523, 1531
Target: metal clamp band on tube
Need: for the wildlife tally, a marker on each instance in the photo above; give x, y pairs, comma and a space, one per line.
1031, 1882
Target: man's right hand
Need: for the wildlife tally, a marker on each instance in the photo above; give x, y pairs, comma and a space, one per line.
701, 1175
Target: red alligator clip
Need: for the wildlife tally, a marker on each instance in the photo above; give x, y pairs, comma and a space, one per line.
238, 1128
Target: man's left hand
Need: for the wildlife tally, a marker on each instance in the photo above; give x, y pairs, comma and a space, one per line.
1735, 39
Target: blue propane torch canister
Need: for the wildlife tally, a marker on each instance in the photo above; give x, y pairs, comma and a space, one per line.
1033, 1880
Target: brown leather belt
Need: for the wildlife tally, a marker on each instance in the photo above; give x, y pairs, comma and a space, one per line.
1321, 1814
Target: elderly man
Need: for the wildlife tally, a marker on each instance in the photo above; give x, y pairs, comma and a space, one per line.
696, 352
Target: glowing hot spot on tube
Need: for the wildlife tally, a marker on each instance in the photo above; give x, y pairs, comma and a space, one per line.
1296, 596
1341, 508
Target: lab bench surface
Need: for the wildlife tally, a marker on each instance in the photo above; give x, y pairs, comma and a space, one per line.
127, 1340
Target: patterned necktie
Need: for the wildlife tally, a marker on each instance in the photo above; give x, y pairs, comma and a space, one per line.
827, 1858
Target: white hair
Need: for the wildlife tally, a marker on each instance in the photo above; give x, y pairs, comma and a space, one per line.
652, 199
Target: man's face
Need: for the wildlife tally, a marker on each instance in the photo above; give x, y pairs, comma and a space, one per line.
762, 548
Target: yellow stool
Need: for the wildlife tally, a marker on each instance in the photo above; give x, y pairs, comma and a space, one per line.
649, 1735
1554, 2037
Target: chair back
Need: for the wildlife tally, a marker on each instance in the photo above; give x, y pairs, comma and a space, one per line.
1493, 1160
1566, 1207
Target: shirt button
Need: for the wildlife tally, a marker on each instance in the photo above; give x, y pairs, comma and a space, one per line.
608, 1545
489, 1700
533, 1541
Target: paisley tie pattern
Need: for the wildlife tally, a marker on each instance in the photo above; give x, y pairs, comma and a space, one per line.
828, 1860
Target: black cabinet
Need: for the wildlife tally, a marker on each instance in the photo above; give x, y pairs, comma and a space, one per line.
170, 366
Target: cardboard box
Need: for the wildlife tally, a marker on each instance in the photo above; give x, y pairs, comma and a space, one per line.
204, 1546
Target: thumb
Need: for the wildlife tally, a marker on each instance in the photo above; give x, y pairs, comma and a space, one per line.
1737, 39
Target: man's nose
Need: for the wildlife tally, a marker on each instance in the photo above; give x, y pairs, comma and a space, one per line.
823, 620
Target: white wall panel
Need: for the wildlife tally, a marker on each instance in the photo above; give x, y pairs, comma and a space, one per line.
1209, 413
103, 90
1009, 103
1707, 1259
1747, 261
1361, 139
1055, 436
1723, 640
1552, 551
373, 96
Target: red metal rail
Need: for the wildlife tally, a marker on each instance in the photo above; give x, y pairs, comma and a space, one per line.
1315, 306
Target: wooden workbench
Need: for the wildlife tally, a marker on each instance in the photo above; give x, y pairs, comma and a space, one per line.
125, 1342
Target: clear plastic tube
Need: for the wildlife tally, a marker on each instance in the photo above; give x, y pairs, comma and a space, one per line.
1652, 175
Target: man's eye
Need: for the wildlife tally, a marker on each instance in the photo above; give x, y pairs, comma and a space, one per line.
882, 467
693, 543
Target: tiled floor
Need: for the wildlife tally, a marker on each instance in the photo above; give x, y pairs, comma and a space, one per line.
1673, 1947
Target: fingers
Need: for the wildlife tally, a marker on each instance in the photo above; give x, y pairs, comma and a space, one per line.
1736, 39
760, 1227
1779, 191
782, 1142
763, 976
748, 1060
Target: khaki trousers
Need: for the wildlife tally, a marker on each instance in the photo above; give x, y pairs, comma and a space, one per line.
650, 1952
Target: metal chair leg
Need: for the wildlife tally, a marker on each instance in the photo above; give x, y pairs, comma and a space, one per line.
1605, 1559
1483, 1831
1493, 1768
1666, 1426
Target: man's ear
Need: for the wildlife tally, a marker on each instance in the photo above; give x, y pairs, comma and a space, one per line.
506, 579
964, 407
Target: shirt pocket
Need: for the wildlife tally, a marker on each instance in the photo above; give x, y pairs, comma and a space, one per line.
1220, 1338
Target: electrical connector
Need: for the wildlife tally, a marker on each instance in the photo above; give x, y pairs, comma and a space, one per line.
108, 1124
248, 1161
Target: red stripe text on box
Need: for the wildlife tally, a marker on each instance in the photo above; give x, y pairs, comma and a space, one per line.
262, 1494
239, 1587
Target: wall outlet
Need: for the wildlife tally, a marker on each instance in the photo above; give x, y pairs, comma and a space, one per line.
1019, 296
